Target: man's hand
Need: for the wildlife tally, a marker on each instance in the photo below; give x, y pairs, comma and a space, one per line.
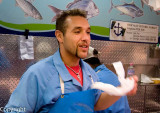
110, 99
134, 90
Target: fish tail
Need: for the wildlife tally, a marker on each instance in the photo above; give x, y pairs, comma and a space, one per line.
111, 7
55, 10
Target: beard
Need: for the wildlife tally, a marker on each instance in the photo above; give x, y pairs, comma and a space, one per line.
77, 52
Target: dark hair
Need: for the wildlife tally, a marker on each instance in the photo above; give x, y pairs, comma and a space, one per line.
93, 61
61, 18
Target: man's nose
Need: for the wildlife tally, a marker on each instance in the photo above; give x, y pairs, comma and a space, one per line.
85, 37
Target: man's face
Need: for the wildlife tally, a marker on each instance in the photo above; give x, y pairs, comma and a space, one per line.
76, 40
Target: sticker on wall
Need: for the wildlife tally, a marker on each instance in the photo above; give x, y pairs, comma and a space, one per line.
134, 32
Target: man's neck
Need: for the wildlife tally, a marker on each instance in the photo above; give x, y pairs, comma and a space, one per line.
70, 60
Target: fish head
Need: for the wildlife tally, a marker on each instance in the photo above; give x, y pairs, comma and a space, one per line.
38, 16
139, 13
92, 10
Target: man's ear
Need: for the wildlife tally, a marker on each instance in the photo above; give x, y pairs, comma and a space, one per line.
59, 36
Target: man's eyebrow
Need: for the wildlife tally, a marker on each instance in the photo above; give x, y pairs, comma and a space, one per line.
77, 28
81, 28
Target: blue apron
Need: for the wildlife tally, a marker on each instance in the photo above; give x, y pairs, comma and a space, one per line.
76, 102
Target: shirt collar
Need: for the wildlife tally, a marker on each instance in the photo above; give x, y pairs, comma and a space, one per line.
86, 75
100, 67
63, 72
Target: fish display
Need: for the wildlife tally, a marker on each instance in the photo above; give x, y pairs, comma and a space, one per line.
129, 9
88, 5
28, 9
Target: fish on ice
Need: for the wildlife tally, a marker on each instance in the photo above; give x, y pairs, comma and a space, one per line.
29, 9
129, 9
88, 5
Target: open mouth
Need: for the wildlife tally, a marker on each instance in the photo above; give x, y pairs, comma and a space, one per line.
84, 47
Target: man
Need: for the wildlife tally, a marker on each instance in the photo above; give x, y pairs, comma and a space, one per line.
107, 76
61, 83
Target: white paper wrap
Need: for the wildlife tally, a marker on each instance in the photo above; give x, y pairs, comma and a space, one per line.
126, 84
118, 66
26, 47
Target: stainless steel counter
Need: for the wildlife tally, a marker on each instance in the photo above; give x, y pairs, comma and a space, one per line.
147, 99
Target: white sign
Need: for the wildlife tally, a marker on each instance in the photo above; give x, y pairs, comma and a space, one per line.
135, 32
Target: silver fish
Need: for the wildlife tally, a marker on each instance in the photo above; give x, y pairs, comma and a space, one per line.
28, 9
128, 9
88, 5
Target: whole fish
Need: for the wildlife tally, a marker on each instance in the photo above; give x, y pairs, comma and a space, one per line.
128, 9
28, 9
88, 5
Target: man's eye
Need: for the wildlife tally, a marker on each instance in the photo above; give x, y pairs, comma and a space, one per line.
88, 32
77, 31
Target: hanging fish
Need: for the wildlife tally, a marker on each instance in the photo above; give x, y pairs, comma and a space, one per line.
28, 9
88, 5
128, 9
